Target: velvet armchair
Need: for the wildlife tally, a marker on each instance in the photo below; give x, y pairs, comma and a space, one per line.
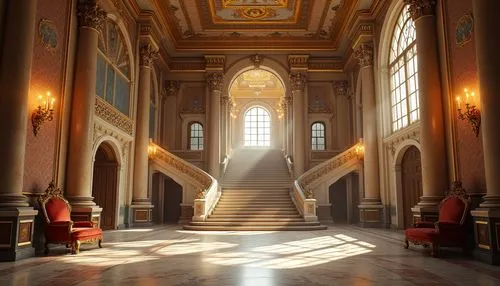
58, 226
450, 230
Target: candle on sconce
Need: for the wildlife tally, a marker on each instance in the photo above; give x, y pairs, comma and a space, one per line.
459, 102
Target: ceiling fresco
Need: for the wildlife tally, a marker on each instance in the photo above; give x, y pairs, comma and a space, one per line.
224, 25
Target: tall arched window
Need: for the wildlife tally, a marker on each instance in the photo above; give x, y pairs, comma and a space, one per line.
195, 136
404, 73
113, 68
257, 128
318, 136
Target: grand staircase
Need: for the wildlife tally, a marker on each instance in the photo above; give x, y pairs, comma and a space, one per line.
255, 196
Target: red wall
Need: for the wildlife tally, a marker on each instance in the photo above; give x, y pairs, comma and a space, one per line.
464, 75
47, 74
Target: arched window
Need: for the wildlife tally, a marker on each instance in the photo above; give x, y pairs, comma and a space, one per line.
257, 128
152, 111
195, 136
113, 68
404, 73
318, 136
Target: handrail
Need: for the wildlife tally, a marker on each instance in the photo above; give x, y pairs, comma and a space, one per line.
303, 195
207, 186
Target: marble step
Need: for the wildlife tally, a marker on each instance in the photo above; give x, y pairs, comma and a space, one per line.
254, 213
254, 228
254, 219
254, 223
256, 216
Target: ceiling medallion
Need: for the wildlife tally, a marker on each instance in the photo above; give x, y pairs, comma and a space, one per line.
255, 13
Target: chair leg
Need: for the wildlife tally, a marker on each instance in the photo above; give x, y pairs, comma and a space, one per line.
46, 248
99, 242
435, 250
76, 247
406, 244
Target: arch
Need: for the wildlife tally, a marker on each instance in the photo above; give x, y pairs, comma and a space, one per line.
106, 184
244, 64
383, 78
257, 127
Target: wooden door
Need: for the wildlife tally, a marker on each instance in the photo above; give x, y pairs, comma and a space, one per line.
104, 186
411, 172
338, 199
173, 200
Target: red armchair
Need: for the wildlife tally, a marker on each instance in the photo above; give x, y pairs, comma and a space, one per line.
450, 230
59, 228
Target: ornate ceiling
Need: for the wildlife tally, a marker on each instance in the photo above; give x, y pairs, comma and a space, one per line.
256, 83
242, 25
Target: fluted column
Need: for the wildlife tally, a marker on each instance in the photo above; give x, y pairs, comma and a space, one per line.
298, 82
172, 88
79, 166
371, 209
223, 125
487, 216
16, 58
214, 82
432, 134
141, 203
289, 124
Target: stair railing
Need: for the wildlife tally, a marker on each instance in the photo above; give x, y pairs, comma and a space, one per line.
303, 195
207, 186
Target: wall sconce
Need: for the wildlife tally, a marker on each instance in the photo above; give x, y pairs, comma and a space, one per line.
152, 149
44, 111
471, 114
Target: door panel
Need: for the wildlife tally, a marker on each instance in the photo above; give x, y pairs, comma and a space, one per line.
411, 172
104, 188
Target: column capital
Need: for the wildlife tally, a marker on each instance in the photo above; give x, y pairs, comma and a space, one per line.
364, 54
91, 15
298, 80
215, 81
419, 8
289, 101
172, 87
147, 54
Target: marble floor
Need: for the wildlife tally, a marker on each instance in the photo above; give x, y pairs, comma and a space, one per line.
168, 255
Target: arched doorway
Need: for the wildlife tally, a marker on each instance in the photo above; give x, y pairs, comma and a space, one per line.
411, 173
257, 128
105, 184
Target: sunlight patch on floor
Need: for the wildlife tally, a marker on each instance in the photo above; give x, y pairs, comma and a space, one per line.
295, 254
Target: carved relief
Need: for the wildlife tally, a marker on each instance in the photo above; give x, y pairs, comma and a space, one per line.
91, 15
325, 168
298, 80
298, 61
215, 81
364, 54
256, 60
215, 62
147, 54
341, 88
392, 143
172, 87
107, 112
419, 8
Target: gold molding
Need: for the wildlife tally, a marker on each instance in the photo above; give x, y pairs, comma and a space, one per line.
110, 114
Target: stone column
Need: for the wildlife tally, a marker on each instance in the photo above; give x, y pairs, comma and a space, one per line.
224, 103
487, 216
214, 82
81, 131
371, 209
298, 82
432, 133
289, 125
16, 216
172, 88
341, 89
141, 203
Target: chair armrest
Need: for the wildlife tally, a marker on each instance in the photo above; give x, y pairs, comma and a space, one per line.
424, 224
83, 224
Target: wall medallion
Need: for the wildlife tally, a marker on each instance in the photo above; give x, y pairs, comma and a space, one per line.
464, 29
48, 34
